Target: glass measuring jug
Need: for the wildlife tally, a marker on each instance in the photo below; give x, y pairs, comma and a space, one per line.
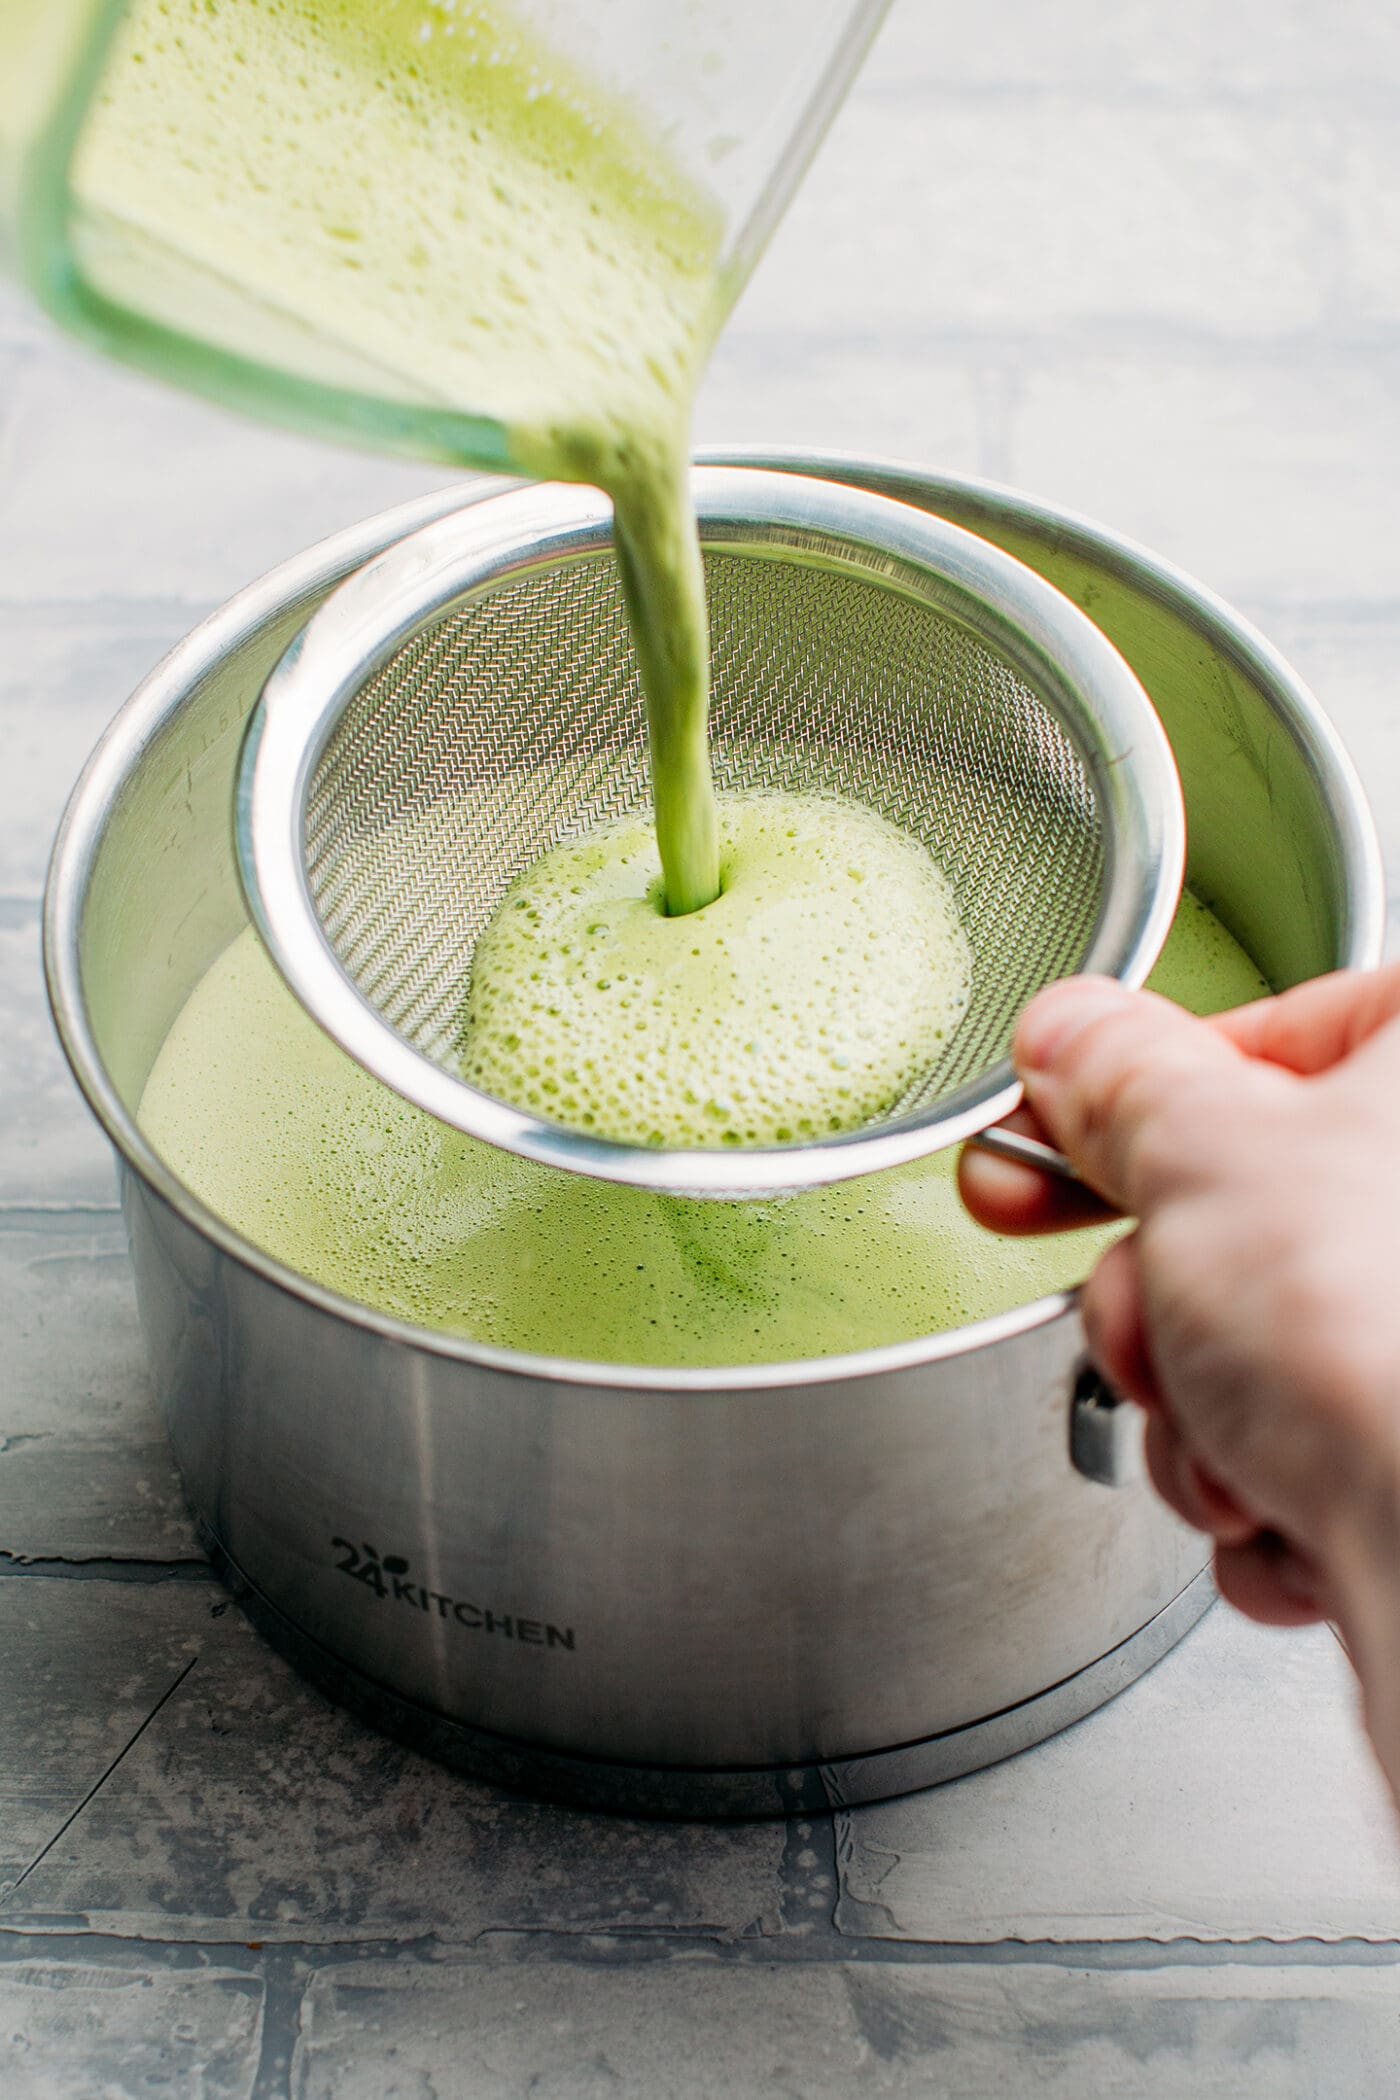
141, 140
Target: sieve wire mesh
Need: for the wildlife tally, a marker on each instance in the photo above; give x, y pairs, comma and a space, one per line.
517, 722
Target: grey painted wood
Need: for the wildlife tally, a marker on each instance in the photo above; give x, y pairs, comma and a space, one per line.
1142, 260
87, 2030
778, 2033
1227, 1796
1351, 657
114, 488
251, 1809
1273, 50
1207, 233
80, 1680
49, 1155
61, 680
85, 1470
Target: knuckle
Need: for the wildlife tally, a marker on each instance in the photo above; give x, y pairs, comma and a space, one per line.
1144, 1124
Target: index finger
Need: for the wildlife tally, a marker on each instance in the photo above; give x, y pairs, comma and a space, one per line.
1005, 1196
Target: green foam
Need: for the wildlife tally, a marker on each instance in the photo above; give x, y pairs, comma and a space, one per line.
286, 1138
807, 998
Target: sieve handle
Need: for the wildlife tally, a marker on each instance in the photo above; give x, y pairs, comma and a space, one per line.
1026, 1151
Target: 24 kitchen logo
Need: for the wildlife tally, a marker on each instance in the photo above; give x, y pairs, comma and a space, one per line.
388, 1576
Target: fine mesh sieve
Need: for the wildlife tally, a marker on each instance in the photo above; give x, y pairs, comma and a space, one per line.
471, 699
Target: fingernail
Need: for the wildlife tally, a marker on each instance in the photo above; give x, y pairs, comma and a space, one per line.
1061, 1012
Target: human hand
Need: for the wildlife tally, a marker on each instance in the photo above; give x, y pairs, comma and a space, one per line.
1254, 1312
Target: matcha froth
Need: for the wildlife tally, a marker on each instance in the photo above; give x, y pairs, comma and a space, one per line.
817, 987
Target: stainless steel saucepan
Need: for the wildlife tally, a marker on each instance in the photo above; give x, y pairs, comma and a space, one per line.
734, 1591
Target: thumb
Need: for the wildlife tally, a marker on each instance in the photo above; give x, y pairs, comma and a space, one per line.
1130, 1087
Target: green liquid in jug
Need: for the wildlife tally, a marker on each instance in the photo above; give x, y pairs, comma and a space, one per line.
417, 199
284, 1137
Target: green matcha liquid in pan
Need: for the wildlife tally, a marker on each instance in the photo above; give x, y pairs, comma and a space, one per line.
504, 235
284, 1136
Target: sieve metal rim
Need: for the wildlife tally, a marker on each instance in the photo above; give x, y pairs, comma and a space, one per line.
469, 554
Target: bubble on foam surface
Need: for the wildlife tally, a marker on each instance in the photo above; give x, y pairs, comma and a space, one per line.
310, 1159
820, 984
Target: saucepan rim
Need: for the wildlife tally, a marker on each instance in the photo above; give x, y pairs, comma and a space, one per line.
306, 576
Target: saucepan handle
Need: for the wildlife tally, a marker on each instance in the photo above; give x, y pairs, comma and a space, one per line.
1026, 1151
1103, 1443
